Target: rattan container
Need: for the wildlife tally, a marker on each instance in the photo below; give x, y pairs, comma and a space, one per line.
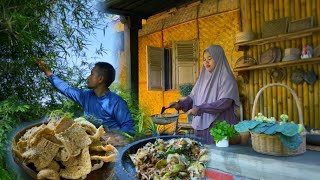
244, 36
270, 144
291, 54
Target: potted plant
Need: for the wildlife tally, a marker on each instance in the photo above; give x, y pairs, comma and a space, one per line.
185, 89
222, 132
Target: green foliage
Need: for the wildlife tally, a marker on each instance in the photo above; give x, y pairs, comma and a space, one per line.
139, 114
222, 129
51, 30
185, 89
4, 175
11, 112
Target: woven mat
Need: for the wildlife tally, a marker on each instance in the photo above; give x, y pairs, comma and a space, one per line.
313, 148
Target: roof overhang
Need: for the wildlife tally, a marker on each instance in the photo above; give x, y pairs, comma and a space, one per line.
141, 8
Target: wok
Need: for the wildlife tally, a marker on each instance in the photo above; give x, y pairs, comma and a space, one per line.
125, 168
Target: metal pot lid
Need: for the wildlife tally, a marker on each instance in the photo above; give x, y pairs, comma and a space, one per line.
297, 76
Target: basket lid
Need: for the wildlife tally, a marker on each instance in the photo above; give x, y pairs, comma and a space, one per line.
297, 76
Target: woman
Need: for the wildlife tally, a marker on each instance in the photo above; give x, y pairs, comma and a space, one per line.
215, 95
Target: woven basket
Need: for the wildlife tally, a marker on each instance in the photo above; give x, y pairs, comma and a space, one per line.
244, 36
300, 24
275, 27
270, 144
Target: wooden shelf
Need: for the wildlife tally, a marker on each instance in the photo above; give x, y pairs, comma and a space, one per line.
280, 37
280, 64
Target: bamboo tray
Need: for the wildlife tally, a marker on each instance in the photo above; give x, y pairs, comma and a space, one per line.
270, 144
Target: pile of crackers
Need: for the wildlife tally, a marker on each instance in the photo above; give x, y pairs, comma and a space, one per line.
64, 147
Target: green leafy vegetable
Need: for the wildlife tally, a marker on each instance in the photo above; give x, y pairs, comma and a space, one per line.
221, 130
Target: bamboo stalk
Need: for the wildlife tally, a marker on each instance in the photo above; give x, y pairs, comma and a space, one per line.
303, 8
265, 97
251, 92
249, 15
305, 100
311, 101
255, 86
318, 18
300, 95
317, 99
314, 14
284, 96
271, 15
262, 18
269, 95
274, 88
275, 106
308, 8
281, 8
289, 96
294, 109
287, 8
260, 85
266, 10
276, 9
257, 17
297, 9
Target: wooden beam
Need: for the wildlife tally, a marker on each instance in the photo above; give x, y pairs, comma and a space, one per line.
131, 27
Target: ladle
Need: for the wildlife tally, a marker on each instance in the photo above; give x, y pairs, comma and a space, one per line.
163, 109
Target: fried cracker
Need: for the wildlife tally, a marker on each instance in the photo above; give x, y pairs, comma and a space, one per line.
74, 139
42, 153
78, 166
48, 174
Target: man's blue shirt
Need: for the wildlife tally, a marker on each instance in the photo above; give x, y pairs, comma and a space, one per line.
110, 110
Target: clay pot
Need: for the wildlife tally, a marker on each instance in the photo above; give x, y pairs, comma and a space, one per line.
244, 137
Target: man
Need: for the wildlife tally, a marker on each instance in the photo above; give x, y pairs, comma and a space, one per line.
106, 107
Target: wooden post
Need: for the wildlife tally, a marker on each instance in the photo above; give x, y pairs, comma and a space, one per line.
131, 27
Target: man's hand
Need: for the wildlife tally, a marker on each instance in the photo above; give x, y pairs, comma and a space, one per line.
43, 67
193, 111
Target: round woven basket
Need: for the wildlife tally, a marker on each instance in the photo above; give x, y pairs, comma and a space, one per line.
270, 144
244, 36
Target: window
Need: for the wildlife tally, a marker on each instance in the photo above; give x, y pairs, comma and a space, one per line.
169, 68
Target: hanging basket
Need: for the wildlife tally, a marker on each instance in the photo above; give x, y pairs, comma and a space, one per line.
271, 144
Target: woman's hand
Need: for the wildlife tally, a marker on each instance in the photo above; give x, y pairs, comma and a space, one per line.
193, 111
175, 105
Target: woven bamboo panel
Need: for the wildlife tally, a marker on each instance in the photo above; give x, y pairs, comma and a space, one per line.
180, 16
122, 73
147, 98
220, 29
181, 32
209, 7
151, 27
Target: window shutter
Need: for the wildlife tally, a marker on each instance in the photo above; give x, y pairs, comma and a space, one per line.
185, 62
155, 61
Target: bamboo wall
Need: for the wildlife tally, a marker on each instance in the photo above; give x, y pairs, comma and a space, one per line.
278, 100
